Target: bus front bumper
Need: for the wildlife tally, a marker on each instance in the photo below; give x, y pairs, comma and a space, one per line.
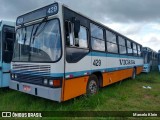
40, 91
146, 68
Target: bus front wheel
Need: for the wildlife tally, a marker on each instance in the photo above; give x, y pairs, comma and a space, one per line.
92, 85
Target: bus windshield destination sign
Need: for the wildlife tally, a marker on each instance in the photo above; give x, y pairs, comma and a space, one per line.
37, 14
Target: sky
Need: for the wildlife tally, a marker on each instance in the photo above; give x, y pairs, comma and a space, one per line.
139, 20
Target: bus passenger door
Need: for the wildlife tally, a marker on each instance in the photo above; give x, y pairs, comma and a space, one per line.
7, 52
78, 60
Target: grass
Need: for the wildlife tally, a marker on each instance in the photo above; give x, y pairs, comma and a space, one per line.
127, 95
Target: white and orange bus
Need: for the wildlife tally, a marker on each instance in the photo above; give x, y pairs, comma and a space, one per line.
60, 54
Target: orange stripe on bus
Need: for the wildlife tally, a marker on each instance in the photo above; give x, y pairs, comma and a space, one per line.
139, 70
77, 86
115, 76
74, 87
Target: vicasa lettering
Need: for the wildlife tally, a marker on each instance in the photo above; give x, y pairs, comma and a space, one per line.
126, 62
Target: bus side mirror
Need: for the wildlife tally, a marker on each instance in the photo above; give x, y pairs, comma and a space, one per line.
76, 26
7, 56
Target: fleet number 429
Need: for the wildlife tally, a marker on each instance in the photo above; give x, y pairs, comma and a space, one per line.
97, 62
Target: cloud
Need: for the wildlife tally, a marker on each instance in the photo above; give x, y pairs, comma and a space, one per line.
151, 40
115, 10
119, 10
136, 19
126, 29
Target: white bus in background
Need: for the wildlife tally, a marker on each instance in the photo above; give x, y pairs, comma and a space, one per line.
150, 59
159, 60
61, 54
7, 38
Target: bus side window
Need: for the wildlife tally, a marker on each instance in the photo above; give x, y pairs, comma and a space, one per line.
83, 37
112, 46
122, 45
8, 43
73, 39
134, 49
139, 50
97, 38
129, 48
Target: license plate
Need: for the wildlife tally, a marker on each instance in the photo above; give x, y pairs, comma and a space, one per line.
26, 88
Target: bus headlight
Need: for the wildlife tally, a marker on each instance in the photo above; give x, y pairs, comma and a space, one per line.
15, 76
51, 82
45, 81
55, 83
12, 76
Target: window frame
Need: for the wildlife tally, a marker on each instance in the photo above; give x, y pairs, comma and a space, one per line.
120, 45
104, 39
113, 33
87, 31
127, 40
133, 43
72, 32
61, 36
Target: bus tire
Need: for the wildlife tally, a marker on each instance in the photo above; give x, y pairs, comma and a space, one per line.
92, 85
134, 73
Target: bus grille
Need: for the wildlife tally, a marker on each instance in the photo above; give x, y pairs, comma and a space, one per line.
32, 79
30, 73
29, 68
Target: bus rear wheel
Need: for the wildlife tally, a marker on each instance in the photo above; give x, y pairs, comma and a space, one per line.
92, 86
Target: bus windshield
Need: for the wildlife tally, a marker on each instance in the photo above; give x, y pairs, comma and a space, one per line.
38, 42
147, 57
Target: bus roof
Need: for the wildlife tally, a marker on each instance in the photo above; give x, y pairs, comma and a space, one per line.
148, 49
61, 4
5, 22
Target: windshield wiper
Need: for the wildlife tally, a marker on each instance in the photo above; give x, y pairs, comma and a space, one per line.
30, 44
25, 36
34, 34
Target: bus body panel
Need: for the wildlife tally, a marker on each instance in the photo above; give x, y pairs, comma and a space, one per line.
51, 93
56, 72
74, 87
5, 67
36, 90
110, 68
5, 74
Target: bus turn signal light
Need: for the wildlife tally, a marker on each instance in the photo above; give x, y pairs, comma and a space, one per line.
55, 83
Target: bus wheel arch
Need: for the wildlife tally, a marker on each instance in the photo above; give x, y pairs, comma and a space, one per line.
100, 78
94, 78
92, 85
134, 73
